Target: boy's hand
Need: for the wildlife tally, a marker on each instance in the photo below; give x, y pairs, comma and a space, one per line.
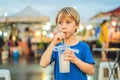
58, 37
69, 55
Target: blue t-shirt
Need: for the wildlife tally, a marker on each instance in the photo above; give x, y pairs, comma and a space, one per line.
75, 73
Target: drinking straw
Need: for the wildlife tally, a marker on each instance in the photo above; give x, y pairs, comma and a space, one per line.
62, 41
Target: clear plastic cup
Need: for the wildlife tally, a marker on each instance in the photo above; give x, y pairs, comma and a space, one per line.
64, 66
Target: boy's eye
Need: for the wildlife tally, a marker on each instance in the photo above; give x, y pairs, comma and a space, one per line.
60, 22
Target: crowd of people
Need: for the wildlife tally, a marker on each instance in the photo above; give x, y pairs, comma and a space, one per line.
14, 43
108, 38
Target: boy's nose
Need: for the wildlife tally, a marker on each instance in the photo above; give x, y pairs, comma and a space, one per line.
63, 25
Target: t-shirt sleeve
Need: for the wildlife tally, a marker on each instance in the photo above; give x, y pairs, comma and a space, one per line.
88, 55
53, 57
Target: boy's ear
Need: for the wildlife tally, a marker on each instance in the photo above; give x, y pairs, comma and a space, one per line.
77, 26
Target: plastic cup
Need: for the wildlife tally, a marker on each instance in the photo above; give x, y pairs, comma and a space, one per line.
64, 66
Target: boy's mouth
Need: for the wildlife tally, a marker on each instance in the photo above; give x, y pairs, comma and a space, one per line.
65, 33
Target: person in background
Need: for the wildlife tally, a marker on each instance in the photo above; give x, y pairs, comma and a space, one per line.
114, 32
114, 36
81, 63
1, 44
104, 39
27, 42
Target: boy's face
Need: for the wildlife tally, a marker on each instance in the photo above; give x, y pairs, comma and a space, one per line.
66, 25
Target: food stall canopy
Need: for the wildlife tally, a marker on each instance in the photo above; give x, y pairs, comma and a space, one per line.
101, 14
28, 14
113, 13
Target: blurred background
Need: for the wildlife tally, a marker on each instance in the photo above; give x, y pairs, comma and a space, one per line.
28, 26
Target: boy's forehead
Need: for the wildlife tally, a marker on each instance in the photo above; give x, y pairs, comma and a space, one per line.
64, 17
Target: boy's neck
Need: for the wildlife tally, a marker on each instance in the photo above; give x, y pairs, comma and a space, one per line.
71, 41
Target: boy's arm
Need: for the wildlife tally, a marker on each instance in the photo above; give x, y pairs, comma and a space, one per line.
85, 67
46, 57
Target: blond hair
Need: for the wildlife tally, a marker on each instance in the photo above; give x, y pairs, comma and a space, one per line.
72, 12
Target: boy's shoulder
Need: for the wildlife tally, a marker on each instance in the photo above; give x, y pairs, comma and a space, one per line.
83, 44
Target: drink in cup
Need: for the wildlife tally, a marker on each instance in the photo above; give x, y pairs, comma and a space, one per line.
64, 66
